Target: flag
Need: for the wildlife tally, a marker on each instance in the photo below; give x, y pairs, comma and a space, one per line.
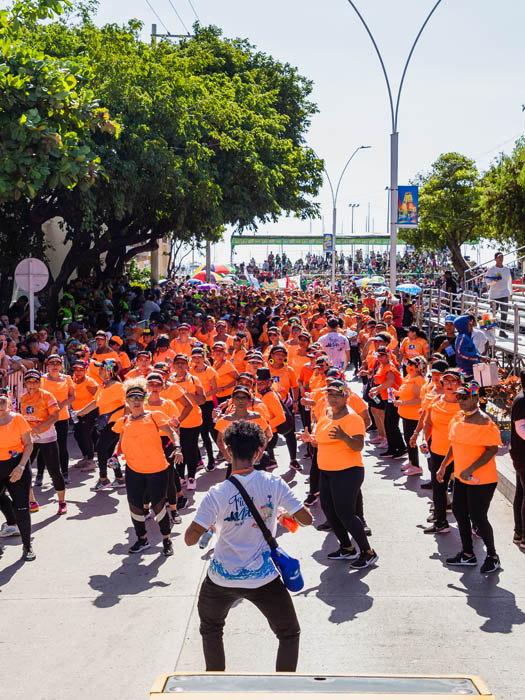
253, 281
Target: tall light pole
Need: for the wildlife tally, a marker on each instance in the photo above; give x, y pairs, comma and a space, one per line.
352, 207
334, 209
394, 140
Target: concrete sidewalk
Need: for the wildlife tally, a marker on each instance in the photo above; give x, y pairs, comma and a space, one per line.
87, 620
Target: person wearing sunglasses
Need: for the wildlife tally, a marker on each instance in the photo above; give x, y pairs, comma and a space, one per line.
83, 429
474, 442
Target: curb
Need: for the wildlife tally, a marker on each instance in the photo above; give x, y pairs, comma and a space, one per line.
506, 474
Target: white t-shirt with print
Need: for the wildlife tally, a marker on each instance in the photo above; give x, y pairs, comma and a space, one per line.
336, 346
241, 558
499, 280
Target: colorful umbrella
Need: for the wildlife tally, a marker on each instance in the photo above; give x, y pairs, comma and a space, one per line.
220, 269
214, 277
408, 289
367, 281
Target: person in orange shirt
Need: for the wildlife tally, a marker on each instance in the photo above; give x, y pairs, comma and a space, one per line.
139, 440
206, 334
227, 374
414, 345
40, 409
142, 365
16, 446
340, 437
386, 379
163, 352
183, 342
438, 420
284, 377
221, 336
388, 318
62, 387
474, 440
242, 328
208, 378
408, 403
237, 352
115, 343
85, 390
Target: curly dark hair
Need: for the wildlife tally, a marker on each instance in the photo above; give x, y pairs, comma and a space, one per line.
244, 439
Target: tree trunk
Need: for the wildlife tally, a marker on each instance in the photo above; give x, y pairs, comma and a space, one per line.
459, 262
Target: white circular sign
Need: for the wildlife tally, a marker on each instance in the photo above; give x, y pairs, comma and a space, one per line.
31, 275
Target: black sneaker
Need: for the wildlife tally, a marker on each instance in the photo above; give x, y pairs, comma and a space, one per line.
28, 554
461, 560
181, 502
491, 564
367, 530
167, 547
344, 554
437, 529
364, 560
296, 465
139, 546
210, 467
427, 485
399, 455
312, 499
324, 527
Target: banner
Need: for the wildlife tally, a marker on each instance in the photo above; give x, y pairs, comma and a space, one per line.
327, 242
407, 206
290, 282
254, 282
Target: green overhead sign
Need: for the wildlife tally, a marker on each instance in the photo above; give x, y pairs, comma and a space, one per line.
271, 239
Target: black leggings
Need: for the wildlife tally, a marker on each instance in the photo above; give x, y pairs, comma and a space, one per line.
48, 452
154, 485
339, 491
470, 505
19, 492
207, 428
6, 507
174, 485
275, 603
519, 503
189, 442
291, 444
107, 441
61, 427
409, 425
83, 432
439, 490
396, 444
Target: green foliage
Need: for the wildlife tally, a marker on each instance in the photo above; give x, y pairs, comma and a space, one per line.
449, 213
503, 197
137, 277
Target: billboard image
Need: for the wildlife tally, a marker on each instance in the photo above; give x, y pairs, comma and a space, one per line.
327, 242
407, 206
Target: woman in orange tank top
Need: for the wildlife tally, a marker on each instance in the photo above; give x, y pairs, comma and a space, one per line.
408, 403
62, 388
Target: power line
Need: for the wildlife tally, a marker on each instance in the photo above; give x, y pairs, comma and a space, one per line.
194, 11
157, 16
180, 18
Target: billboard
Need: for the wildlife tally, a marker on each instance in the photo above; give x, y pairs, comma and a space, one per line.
407, 206
327, 242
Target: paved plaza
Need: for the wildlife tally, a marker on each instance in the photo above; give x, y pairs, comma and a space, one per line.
88, 620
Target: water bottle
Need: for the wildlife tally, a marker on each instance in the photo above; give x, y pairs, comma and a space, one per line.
424, 448
205, 538
306, 408
390, 393
377, 399
73, 415
13, 454
113, 462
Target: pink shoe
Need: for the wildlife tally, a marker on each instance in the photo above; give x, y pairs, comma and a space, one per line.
191, 485
413, 471
62, 508
405, 467
376, 440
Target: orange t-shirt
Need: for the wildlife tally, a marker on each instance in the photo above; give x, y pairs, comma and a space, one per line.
275, 411
205, 378
284, 380
205, 338
336, 455
109, 398
187, 386
125, 362
354, 401
11, 436
141, 442
305, 375
226, 374
82, 395
468, 442
185, 348
297, 362
164, 355
441, 413
224, 422
166, 406
380, 377
38, 408
238, 360
406, 392
413, 348
60, 391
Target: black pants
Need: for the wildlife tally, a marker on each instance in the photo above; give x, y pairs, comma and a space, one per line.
174, 485
107, 441
409, 425
83, 432
396, 444
189, 442
61, 426
339, 491
48, 452
439, 490
306, 417
355, 357
291, 444
315, 474
519, 503
275, 603
19, 492
152, 486
6, 507
207, 428
470, 505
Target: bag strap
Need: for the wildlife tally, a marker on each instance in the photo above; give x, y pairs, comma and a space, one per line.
270, 539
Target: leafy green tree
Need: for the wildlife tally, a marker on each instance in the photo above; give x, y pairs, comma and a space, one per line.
449, 213
503, 197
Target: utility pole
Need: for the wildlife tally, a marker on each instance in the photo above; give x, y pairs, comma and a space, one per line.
352, 207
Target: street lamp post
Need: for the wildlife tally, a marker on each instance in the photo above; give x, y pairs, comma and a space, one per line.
334, 208
394, 140
352, 207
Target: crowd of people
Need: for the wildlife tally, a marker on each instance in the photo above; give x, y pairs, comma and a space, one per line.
158, 388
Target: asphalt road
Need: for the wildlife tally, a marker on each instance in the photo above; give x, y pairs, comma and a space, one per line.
86, 619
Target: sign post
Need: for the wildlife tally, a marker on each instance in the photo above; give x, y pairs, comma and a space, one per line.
31, 275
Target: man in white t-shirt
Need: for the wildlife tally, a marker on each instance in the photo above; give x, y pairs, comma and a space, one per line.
335, 345
241, 566
499, 281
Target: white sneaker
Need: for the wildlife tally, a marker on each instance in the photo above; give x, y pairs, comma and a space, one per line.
9, 530
191, 485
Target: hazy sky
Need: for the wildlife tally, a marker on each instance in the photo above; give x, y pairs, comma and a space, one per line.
463, 92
